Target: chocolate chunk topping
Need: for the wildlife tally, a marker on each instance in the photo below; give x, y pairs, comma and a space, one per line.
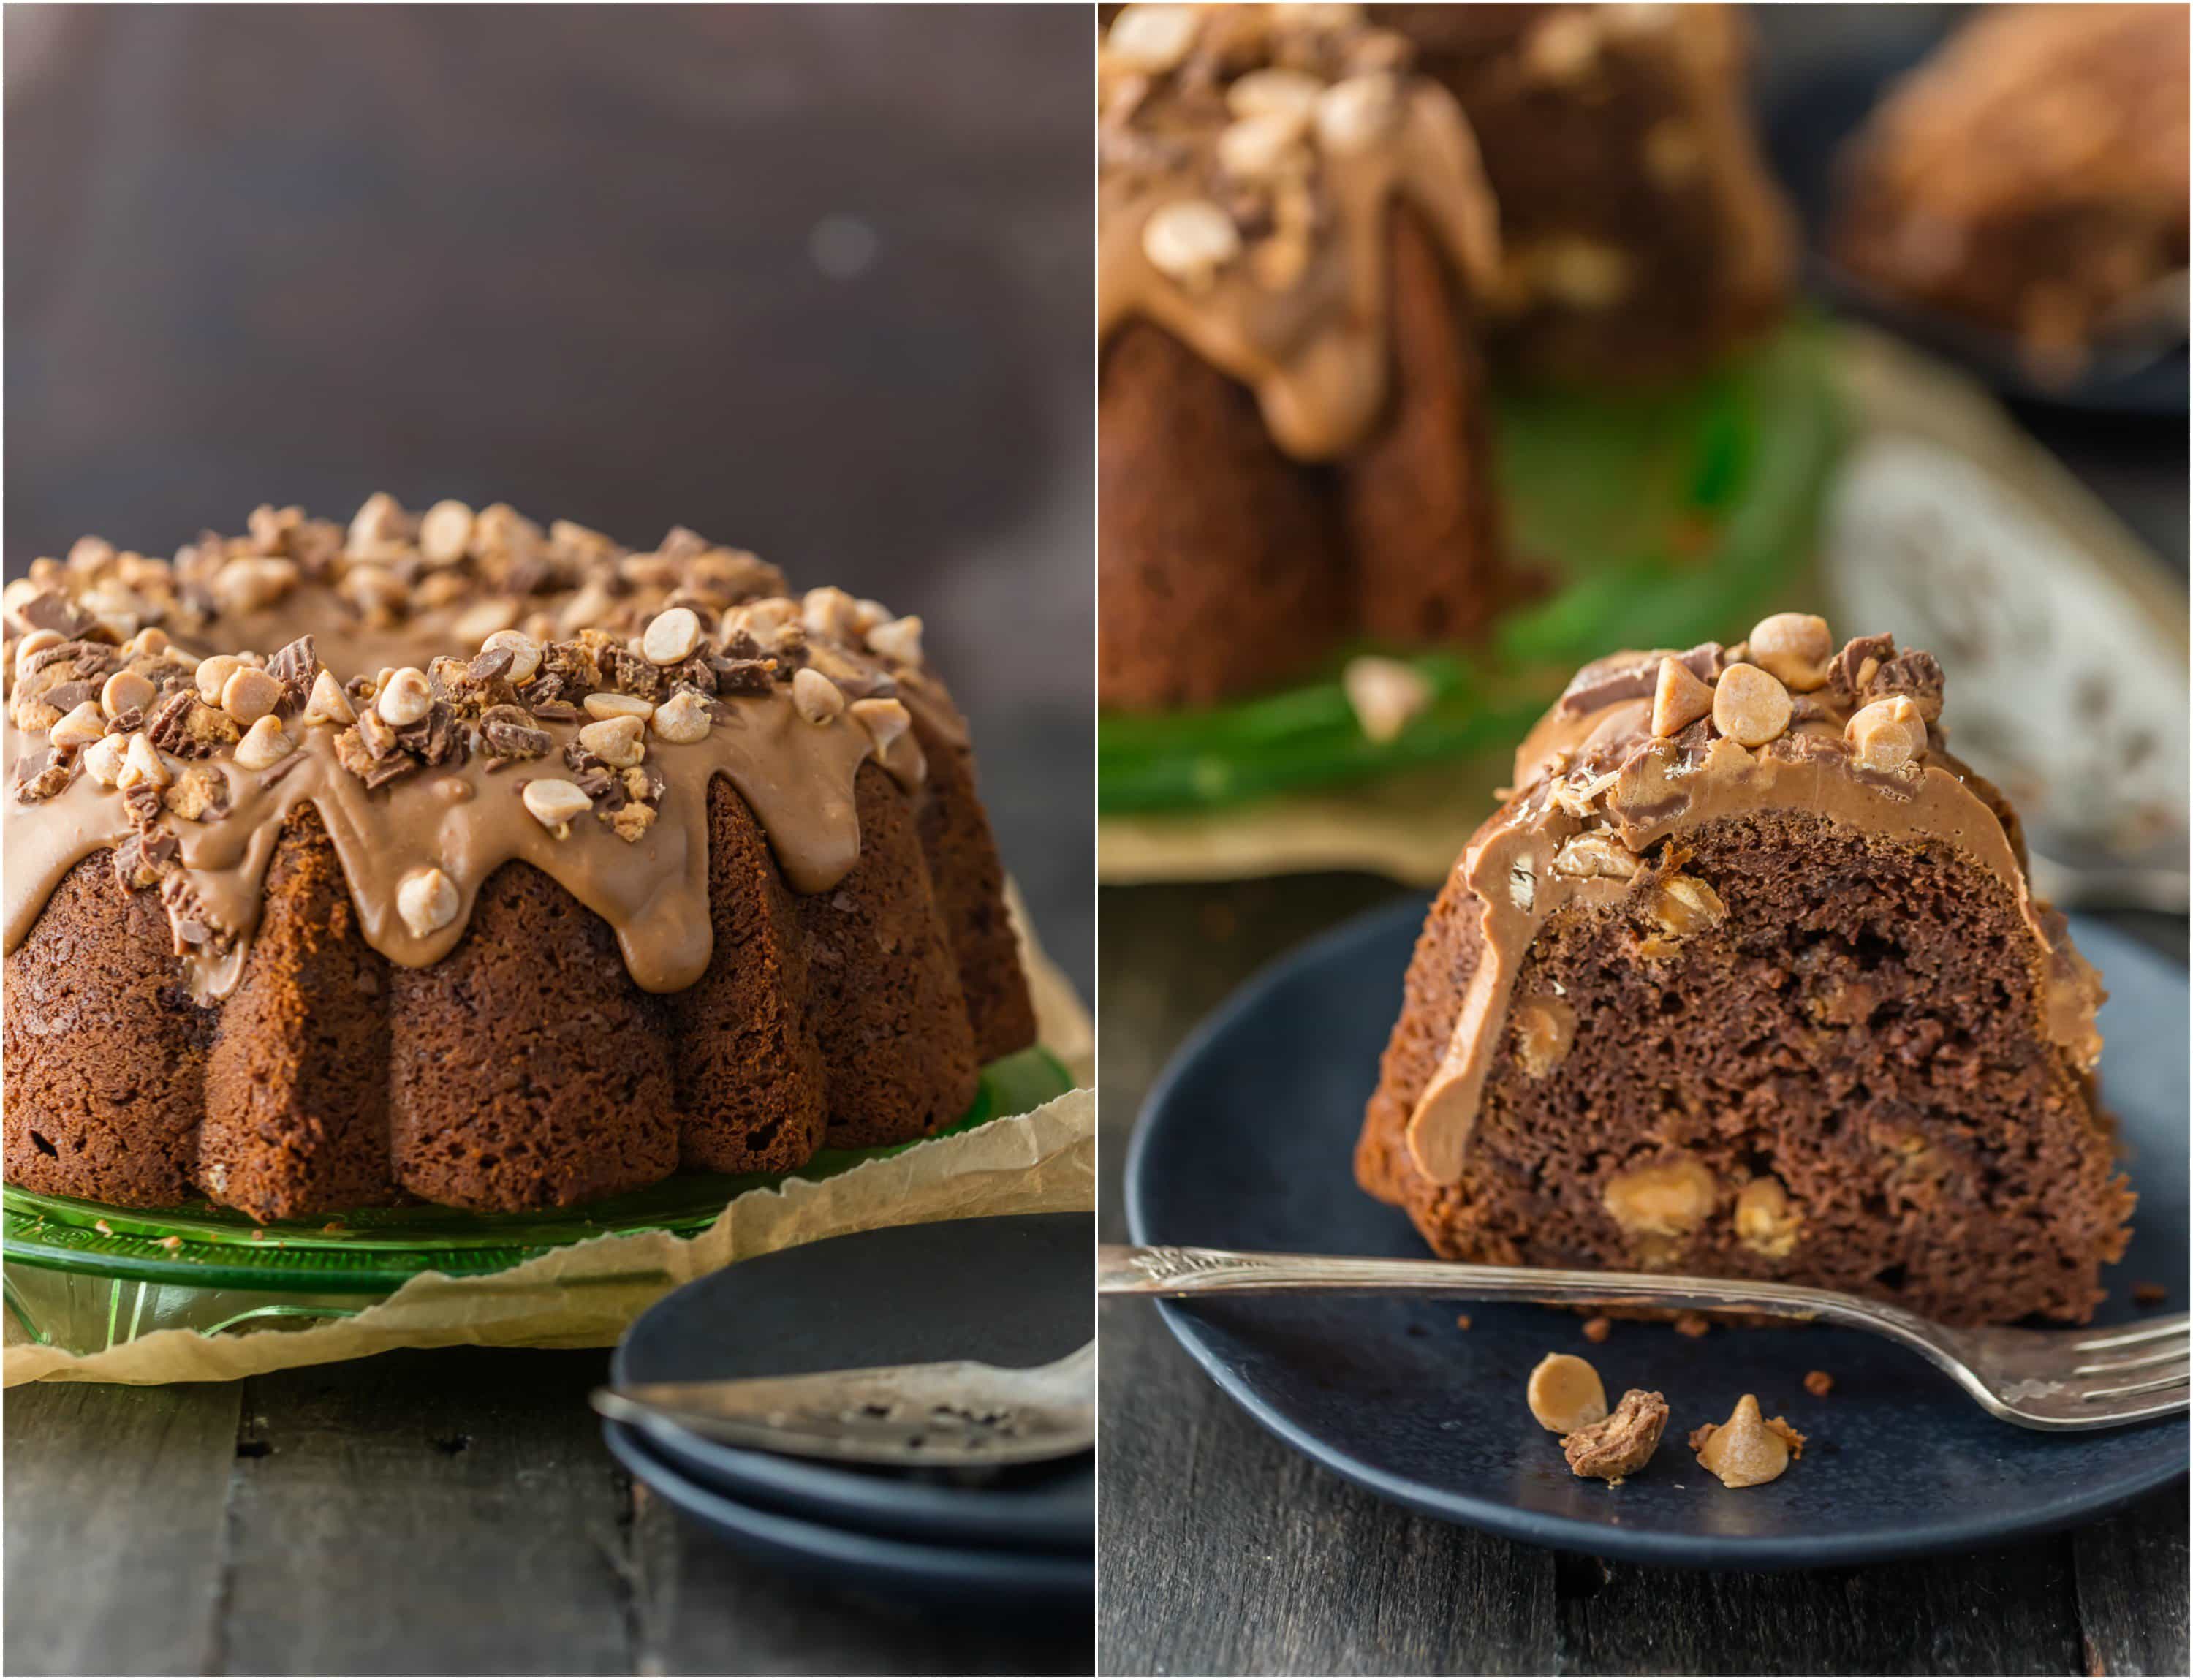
294, 667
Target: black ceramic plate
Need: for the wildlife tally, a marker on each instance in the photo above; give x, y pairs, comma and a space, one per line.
1812, 114
1246, 1144
1011, 1291
986, 1580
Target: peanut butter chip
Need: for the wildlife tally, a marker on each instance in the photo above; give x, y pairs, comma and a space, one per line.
671, 637
1384, 694
142, 766
426, 899
554, 803
328, 703
1887, 735
608, 704
1679, 699
1565, 1394
815, 697
1749, 1449
1189, 241
264, 744
1794, 648
404, 696
1262, 147
249, 695
1750, 706
213, 675
125, 692
885, 720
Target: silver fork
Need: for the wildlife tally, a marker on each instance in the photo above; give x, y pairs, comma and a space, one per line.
2055, 1379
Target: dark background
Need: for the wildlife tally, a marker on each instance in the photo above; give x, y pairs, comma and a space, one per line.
814, 281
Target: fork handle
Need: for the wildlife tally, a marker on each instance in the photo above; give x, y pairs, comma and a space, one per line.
1123, 1268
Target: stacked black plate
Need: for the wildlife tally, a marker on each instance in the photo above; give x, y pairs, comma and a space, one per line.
1013, 1292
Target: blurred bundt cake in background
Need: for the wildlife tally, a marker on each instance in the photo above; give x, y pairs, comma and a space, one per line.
1640, 234
1747, 978
446, 857
2031, 176
1294, 446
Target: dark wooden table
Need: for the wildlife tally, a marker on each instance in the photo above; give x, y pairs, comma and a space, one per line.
815, 280
1226, 1553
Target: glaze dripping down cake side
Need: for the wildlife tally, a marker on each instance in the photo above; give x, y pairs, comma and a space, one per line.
1746, 980
1294, 447
525, 869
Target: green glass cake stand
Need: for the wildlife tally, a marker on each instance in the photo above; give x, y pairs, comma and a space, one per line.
1658, 520
83, 1276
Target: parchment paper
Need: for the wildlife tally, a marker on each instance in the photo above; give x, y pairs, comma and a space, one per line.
584, 1295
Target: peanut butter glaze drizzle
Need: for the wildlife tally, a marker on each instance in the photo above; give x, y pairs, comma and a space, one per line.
783, 697
1598, 787
1251, 156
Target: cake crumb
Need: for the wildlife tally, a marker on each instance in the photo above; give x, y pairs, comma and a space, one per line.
1598, 1329
1817, 1383
1693, 1324
1621, 1443
2149, 1294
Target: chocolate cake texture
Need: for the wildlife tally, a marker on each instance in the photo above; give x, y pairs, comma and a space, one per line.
1747, 978
524, 870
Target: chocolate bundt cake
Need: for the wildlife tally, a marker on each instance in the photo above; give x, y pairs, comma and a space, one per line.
2031, 176
1746, 978
524, 870
1640, 234
1293, 445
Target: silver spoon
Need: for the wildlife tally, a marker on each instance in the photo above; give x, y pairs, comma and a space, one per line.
2053, 1379
952, 1412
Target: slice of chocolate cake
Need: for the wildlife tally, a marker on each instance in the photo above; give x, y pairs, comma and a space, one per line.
1746, 980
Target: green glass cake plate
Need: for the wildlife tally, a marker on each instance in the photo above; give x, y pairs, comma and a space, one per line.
83, 1276
1658, 520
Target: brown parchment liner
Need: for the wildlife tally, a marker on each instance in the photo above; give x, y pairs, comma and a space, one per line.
584, 1295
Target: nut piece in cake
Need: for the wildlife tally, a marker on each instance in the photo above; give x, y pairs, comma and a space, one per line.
1623, 1443
1565, 1394
682, 718
1670, 1199
1749, 1449
815, 697
524, 653
426, 899
671, 637
1765, 1224
554, 803
618, 741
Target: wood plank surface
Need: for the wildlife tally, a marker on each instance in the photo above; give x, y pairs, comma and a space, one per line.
1226, 1553
114, 1526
